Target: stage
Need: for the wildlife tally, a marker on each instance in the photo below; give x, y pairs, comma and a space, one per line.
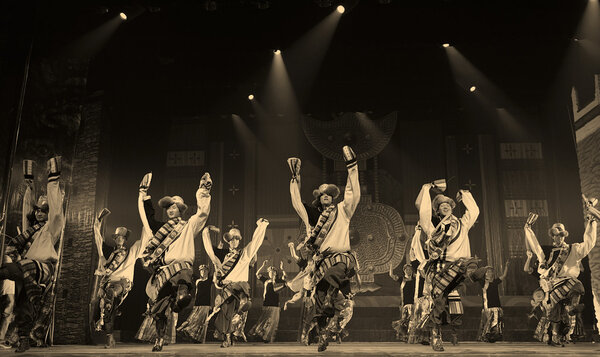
292, 349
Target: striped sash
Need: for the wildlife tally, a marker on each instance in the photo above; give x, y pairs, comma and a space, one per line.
230, 261
166, 235
24, 240
321, 229
330, 261
557, 261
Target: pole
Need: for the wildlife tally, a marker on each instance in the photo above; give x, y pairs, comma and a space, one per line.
12, 151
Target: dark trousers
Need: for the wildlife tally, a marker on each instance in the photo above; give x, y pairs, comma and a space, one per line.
24, 311
113, 292
167, 297
335, 279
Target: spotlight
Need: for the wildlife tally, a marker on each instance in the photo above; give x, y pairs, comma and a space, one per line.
123, 16
472, 89
446, 45
251, 97
277, 52
341, 9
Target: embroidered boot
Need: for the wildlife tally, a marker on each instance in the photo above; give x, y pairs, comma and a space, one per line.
23, 345
158, 344
110, 341
436, 339
323, 339
227, 341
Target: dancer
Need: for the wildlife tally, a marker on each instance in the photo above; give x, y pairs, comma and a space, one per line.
36, 244
7, 305
231, 277
302, 284
560, 271
492, 323
418, 331
448, 251
330, 240
407, 297
194, 326
117, 277
170, 252
266, 326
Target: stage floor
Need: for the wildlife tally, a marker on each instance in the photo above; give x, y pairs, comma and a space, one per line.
292, 349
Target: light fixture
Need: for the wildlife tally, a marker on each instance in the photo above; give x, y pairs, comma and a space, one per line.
446, 45
472, 89
123, 16
251, 97
341, 9
277, 52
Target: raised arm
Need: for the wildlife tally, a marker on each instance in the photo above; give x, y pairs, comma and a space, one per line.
472, 210
505, 272
209, 249
56, 217
415, 245
533, 243
259, 271
423, 204
589, 239
352, 192
257, 237
198, 220
98, 239
283, 273
145, 207
28, 203
526, 267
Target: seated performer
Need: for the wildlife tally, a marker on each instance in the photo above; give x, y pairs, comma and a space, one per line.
448, 251
492, 325
559, 273
266, 326
170, 252
231, 277
194, 326
329, 239
407, 296
117, 278
36, 245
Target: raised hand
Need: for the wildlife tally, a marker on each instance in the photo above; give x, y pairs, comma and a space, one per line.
349, 156
206, 181
531, 219
294, 163
261, 220
529, 254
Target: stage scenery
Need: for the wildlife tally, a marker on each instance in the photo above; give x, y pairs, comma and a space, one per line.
299, 177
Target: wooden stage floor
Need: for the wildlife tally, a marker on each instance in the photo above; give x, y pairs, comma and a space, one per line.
293, 349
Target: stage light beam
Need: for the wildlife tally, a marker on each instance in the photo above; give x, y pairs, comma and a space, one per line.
123, 16
341, 9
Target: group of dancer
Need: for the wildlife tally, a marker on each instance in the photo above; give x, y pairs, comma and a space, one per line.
440, 261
